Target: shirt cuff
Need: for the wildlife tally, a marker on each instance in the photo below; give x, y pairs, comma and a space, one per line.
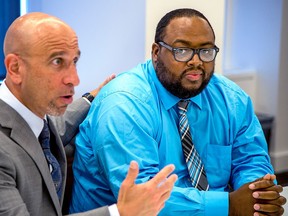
217, 200
113, 210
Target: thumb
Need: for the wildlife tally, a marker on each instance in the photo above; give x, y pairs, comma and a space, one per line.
132, 174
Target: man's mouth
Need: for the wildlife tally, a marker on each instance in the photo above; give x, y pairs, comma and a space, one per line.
194, 76
67, 99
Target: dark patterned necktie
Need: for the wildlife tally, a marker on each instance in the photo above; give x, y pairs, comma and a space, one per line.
54, 167
193, 161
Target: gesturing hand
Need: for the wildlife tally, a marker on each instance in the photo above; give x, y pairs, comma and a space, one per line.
147, 198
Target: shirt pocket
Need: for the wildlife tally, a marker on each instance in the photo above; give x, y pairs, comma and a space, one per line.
218, 166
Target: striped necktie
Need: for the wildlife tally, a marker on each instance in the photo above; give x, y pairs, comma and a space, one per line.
193, 161
54, 167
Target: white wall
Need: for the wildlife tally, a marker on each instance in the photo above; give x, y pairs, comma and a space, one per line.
280, 151
254, 44
257, 41
111, 35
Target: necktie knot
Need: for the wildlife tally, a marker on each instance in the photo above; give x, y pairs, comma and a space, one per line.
183, 104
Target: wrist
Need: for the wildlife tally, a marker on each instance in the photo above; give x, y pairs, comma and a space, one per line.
89, 97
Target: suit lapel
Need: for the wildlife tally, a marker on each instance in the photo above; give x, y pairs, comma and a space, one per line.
22, 134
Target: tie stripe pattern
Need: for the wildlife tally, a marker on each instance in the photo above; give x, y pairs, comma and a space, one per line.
194, 164
54, 167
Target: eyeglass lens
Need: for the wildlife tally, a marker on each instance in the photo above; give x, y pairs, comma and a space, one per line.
186, 54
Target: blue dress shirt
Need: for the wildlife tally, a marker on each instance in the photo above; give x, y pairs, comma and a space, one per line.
135, 118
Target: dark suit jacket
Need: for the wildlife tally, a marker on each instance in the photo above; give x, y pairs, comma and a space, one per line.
26, 186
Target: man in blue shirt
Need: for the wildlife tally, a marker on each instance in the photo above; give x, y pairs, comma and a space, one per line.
135, 117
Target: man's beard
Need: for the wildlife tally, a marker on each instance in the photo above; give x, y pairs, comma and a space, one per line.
53, 110
173, 83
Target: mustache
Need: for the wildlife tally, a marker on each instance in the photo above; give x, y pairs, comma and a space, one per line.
195, 67
71, 89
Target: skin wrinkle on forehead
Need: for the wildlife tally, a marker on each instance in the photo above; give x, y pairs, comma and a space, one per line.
61, 37
51, 43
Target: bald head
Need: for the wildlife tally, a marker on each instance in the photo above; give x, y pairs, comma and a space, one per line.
28, 29
41, 52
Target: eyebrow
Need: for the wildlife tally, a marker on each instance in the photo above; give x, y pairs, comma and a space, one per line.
186, 43
62, 53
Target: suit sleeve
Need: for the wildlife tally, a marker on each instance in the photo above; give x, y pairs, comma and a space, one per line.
68, 124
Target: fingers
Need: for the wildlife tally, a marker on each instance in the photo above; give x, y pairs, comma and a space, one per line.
132, 174
146, 198
166, 189
266, 195
168, 186
259, 214
172, 178
268, 198
270, 177
159, 180
277, 188
261, 184
272, 207
108, 79
268, 209
162, 175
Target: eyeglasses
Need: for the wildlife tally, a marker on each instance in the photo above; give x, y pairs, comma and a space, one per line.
185, 54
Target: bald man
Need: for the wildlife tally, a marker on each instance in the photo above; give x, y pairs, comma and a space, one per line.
41, 53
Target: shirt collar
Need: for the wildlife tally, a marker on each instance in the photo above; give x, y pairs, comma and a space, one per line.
169, 100
36, 124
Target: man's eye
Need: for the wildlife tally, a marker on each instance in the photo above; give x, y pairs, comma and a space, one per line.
206, 51
75, 61
57, 61
181, 51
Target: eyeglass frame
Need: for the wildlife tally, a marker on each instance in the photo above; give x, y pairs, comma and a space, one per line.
194, 51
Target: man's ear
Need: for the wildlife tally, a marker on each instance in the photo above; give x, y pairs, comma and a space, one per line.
155, 52
12, 64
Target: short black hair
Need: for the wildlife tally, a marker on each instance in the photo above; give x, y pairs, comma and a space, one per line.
182, 12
